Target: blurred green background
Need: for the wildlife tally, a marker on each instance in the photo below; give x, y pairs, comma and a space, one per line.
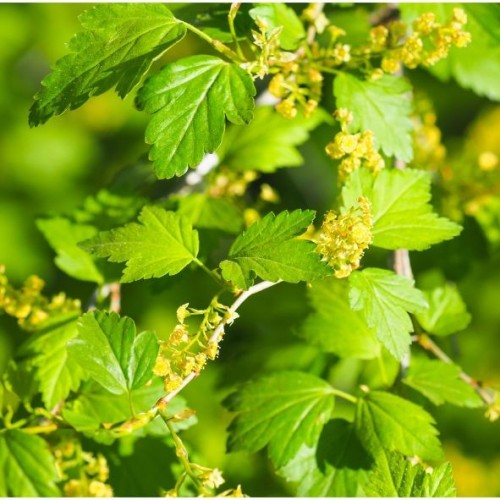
52, 168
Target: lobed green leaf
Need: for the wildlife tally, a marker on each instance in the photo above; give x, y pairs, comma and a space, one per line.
402, 214
117, 48
189, 100
270, 249
282, 411
382, 106
27, 468
109, 351
385, 299
164, 243
387, 422
440, 382
334, 326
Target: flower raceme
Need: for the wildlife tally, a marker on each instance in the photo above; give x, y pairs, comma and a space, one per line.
344, 237
354, 150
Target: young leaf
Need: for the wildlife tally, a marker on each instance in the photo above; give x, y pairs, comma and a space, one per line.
269, 142
189, 100
117, 48
110, 352
385, 299
27, 468
402, 215
205, 211
470, 66
440, 383
269, 248
284, 411
274, 15
447, 312
334, 326
63, 237
395, 424
164, 243
56, 371
382, 106
410, 480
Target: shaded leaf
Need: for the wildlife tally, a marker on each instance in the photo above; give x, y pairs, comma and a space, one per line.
269, 142
334, 326
63, 236
56, 370
440, 382
447, 312
282, 411
207, 212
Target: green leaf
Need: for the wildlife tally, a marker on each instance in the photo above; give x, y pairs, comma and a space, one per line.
385, 299
96, 407
410, 480
387, 421
440, 382
64, 236
447, 312
56, 370
27, 468
269, 248
283, 411
382, 106
189, 100
476, 66
164, 243
402, 214
204, 211
334, 326
342, 464
269, 142
274, 15
110, 352
117, 48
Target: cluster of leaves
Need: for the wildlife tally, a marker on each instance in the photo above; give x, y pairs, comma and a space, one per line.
87, 376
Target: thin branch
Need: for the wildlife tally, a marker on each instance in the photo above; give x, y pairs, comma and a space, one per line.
217, 335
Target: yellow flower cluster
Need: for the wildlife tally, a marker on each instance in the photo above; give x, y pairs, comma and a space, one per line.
185, 352
429, 152
354, 150
29, 306
227, 183
343, 238
428, 43
93, 471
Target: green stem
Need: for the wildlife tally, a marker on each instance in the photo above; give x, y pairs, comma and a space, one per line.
212, 274
344, 395
182, 454
216, 44
235, 6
